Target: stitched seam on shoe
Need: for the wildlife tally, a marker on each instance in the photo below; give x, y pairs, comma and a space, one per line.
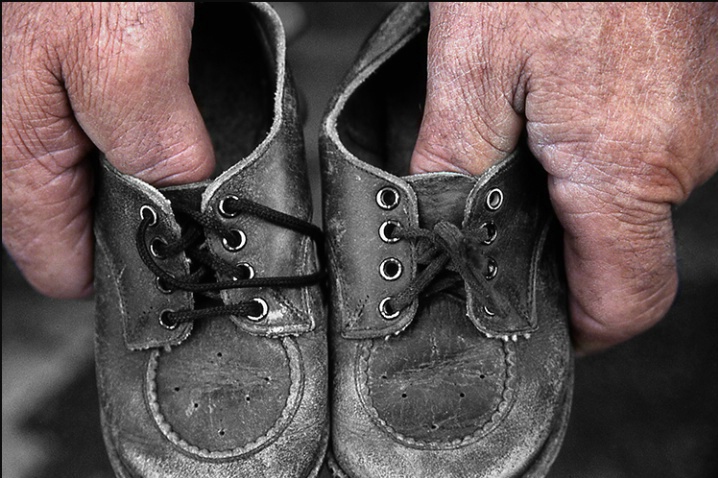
507, 398
294, 399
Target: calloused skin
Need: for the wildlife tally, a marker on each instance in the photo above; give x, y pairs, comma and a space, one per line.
618, 100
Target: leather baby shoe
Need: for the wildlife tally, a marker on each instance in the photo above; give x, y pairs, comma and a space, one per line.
211, 323
448, 328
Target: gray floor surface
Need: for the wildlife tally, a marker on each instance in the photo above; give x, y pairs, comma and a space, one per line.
645, 409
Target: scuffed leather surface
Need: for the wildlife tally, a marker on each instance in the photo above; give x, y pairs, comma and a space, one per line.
355, 249
272, 174
398, 408
237, 383
233, 399
383, 438
438, 381
121, 198
278, 163
352, 221
520, 224
133, 436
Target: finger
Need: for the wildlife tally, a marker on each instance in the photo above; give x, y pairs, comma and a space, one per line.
611, 187
469, 120
46, 185
620, 146
620, 263
46, 218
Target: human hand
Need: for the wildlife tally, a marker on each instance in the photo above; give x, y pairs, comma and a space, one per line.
619, 104
77, 76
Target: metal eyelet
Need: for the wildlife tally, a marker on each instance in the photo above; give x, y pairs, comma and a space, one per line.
249, 271
263, 314
388, 315
386, 229
223, 210
492, 268
491, 230
231, 244
494, 199
164, 320
387, 198
487, 311
144, 210
155, 247
162, 287
390, 269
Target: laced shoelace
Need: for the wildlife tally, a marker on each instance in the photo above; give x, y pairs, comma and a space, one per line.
203, 279
441, 250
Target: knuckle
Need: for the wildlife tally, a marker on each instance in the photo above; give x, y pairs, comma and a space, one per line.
651, 160
137, 34
126, 50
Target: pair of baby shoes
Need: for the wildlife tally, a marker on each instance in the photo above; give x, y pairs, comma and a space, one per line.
426, 323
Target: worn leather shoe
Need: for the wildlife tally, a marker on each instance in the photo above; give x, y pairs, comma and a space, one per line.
449, 341
211, 336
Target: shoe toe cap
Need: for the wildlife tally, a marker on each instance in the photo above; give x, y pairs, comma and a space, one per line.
438, 400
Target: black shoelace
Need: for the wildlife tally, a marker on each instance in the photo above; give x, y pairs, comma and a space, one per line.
202, 280
443, 257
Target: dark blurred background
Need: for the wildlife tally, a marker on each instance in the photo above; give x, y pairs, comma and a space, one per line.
644, 409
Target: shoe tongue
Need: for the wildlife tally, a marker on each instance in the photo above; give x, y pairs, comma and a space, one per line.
441, 197
190, 194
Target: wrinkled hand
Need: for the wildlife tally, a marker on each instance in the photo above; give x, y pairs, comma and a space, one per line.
619, 102
76, 76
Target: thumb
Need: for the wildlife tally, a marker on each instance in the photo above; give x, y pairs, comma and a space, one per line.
620, 262
469, 120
